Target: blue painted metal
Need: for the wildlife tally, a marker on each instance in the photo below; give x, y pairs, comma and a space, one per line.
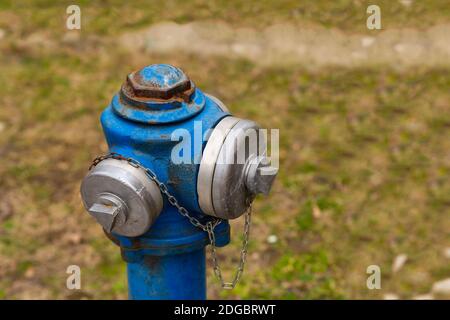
157, 111
174, 276
168, 261
161, 75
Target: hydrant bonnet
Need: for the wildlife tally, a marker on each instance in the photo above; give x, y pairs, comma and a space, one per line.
158, 93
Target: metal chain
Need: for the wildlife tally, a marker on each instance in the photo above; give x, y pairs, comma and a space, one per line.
240, 269
208, 227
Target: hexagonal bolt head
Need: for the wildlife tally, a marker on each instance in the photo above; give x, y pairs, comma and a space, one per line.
159, 82
259, 175
109, 211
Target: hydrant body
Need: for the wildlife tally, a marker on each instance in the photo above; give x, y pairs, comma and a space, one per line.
156, 109
168, 261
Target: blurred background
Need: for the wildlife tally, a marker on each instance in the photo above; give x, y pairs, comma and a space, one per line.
364, 119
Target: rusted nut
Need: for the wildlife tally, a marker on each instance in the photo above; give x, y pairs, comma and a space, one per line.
161, 82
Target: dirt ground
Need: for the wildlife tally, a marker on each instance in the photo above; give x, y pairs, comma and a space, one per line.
364, 119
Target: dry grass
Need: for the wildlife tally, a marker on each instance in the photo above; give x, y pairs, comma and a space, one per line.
364, 161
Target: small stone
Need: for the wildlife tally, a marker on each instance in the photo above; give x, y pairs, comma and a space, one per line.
2, 33
71, 37
406, 3
447, 253
400, 48
73, 238
441, 287
426, 296
390, 296
316, 212
399, 262
272, 239
2, 126
29, 273
367, 41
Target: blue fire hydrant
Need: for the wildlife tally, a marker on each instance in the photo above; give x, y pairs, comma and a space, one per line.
179, 166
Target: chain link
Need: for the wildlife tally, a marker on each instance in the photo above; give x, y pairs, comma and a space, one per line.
240, 269
208, 227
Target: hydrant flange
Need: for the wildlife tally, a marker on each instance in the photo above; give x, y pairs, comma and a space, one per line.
233, 169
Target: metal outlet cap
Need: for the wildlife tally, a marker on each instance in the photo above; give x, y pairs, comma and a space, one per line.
233, 168
259, 175
121, 197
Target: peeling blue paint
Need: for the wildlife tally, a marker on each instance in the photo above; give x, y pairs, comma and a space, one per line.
168, 261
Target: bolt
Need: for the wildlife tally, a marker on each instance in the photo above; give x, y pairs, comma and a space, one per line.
259, 175
109, 210
159, 81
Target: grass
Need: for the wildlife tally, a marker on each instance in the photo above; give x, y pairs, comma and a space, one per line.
110, 17
364, 155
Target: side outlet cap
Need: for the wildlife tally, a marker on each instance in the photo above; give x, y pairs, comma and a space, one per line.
121, 197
